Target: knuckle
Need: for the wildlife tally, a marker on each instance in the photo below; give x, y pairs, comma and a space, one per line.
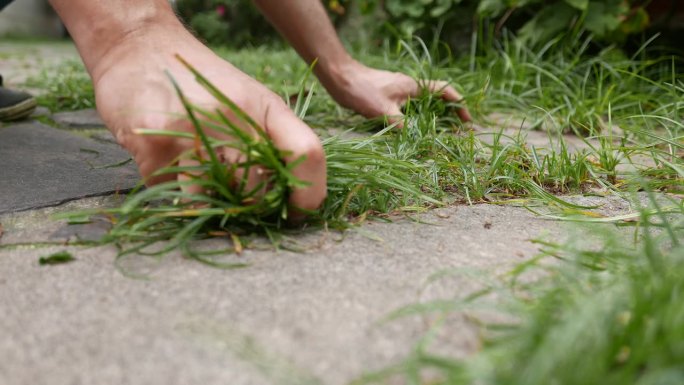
312, 149
313, 200
159, 142
147, 167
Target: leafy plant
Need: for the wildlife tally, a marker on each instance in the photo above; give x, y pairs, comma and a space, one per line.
536, 21
226, 22
414, 15
235, 23
606, 20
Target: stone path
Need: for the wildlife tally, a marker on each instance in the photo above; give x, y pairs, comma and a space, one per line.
43, 166
289, 318
314, 317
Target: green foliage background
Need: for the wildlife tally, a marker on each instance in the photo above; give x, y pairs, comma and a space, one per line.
238, 22
535, 21
226, 22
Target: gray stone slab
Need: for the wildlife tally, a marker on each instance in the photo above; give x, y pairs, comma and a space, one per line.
81, 119
40, 112
44, 166
104, 136
93, 231
289, 318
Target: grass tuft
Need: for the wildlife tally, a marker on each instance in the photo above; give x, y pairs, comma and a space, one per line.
633, 140
66, 88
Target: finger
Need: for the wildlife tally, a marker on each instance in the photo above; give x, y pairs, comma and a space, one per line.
194, 153
290, 134
191, 159
448, 93
395, 116
189, 176
249, 176
152, 154
245, 176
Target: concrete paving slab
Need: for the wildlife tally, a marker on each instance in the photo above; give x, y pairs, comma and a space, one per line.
104, 136
43, 166
315, 314
289, 318
81, 119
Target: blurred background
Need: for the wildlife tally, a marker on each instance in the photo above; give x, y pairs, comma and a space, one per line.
30, 18
236, 23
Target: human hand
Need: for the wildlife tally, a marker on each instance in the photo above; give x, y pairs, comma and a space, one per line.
132, 92
374, 93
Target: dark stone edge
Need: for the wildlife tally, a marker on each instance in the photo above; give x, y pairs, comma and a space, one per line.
66, 200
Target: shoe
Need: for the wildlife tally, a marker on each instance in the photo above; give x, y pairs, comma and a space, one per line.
15, 105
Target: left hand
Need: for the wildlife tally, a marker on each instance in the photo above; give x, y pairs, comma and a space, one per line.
374, 93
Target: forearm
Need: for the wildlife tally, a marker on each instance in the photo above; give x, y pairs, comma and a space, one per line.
305, 24
99, 25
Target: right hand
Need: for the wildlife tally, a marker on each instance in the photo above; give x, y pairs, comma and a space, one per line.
132, 91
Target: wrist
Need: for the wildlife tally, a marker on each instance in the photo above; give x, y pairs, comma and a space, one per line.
335, 75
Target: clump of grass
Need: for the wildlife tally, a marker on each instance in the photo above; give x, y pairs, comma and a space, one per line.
433, 160
228, 206
613, 316
564, 87
607, 311
66, 88
166, 217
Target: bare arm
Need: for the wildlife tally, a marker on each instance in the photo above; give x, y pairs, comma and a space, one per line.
128, 46
98, 26
305, 24
371, 92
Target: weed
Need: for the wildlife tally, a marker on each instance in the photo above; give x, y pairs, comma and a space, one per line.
67, 87
608, 313
433, 160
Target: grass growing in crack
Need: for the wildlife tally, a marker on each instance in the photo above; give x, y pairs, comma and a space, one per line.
633, 137
577, 91
228, 208
607, 311
67, 88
